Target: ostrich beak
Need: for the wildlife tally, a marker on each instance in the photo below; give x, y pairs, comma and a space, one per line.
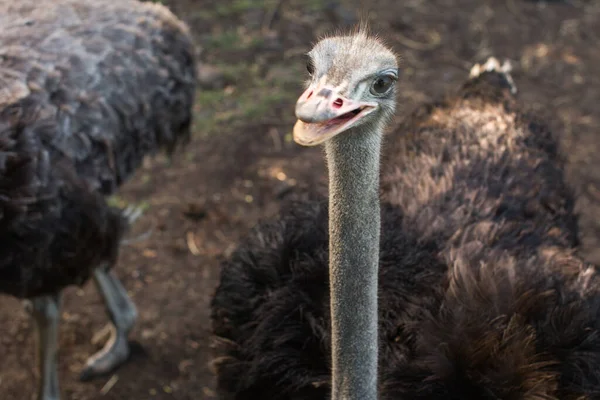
323, 113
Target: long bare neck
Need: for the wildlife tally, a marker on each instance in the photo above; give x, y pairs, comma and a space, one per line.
354, 229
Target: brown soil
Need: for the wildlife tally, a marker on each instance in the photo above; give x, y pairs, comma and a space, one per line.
242, 163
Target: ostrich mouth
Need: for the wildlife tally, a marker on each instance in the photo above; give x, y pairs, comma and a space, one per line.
314, 133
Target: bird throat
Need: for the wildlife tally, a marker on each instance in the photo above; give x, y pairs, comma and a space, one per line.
353, 159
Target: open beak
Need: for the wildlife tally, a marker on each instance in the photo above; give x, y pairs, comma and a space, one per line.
323, 113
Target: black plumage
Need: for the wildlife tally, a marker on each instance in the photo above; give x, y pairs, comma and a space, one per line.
87, 89
481, 295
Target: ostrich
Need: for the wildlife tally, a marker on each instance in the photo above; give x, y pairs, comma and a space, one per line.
463, 257
87, 89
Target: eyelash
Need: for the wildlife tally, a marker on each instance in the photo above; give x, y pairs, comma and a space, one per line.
310, 66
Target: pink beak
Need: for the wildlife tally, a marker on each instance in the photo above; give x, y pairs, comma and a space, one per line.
323, 113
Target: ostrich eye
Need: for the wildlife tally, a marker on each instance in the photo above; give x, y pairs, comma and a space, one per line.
382, 84
310, 66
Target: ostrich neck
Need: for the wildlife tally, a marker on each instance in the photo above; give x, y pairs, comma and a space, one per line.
354, 229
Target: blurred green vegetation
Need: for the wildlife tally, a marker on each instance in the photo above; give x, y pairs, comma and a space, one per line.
258, 80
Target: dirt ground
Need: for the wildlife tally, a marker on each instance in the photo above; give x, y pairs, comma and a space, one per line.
242, 163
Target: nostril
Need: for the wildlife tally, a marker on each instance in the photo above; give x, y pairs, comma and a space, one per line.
309, 95
338, 103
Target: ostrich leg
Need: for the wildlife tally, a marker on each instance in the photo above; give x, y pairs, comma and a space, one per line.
122, 313
45, 311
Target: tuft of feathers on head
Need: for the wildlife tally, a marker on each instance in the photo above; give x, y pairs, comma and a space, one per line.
361, 32
351, 56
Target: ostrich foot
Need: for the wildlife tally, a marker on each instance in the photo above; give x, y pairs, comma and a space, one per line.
132, 214
123, 314
493, 65
45, 311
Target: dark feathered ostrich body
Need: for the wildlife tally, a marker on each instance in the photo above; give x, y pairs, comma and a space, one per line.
87, 89
479, 293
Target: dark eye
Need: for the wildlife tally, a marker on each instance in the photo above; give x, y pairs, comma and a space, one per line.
310, 66
382, 84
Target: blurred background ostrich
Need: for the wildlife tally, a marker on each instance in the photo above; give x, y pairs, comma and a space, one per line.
88, 88
242, 162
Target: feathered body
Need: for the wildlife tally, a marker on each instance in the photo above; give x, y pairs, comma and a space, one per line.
480, 293
87, 89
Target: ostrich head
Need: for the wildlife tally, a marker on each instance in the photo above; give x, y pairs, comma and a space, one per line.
352, 84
